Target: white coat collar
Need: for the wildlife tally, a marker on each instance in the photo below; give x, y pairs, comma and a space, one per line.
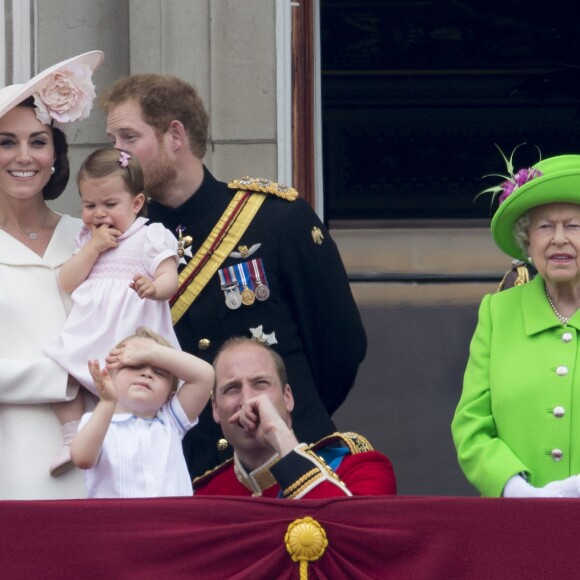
59, 250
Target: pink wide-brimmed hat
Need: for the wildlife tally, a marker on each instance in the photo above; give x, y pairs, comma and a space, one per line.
63, 92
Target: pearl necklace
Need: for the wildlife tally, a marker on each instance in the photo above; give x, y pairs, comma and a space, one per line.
563, 319
32, 235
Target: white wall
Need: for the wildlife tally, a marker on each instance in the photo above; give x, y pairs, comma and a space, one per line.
225, 48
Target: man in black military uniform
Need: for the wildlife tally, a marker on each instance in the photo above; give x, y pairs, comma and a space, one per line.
258, 261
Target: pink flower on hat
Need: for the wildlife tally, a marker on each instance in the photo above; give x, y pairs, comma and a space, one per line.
521, 177
66, 95
511, 181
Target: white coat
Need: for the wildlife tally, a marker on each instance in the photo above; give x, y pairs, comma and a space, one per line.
32, 311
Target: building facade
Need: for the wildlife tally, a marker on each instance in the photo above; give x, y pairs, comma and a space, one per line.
257, 66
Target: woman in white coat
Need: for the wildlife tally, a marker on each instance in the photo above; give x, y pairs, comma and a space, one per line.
34, 242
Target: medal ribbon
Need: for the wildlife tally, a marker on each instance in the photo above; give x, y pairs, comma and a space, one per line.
259, 276
243, 275
226, 278
247, 276
214, 250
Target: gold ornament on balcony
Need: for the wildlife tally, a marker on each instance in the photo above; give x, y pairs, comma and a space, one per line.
306, 542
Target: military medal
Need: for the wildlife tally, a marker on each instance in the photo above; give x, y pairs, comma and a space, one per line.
233, 297
230, 288
248, 297
261, 290
183, 245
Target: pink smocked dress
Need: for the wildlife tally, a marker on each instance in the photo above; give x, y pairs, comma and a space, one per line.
106, 310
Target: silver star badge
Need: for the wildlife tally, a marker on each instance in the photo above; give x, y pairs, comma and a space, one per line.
259, 334
186, 253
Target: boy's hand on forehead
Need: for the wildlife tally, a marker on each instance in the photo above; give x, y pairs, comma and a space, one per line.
134, 352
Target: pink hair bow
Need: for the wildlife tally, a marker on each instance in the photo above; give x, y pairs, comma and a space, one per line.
124, 159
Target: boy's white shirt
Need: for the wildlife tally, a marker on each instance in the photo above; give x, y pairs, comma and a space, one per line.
142, 457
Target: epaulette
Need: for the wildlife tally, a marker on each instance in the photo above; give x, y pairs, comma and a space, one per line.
264, 185
210, 473
355, 442
520, 273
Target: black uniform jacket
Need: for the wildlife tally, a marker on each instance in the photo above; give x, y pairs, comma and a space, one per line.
310, 309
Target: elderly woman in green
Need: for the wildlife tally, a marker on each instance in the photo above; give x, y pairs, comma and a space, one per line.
516, 427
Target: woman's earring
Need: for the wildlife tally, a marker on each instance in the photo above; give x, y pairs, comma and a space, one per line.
52, 170
530, 259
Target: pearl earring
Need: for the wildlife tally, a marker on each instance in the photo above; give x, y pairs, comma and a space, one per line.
530, 259
52, 170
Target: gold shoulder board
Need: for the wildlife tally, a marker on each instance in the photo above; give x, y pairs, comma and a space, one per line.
210, 473
355, 442
264, 186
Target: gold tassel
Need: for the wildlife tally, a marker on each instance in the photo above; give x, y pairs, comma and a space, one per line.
523, 275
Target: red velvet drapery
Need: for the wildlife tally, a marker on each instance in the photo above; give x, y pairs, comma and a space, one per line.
368, 537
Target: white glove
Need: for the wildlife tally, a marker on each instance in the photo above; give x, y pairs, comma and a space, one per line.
569, 487
517, 486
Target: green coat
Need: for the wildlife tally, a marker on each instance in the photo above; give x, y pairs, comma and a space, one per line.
519, 410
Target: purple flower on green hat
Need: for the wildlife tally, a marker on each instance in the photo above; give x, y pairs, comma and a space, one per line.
511, 181
517, 180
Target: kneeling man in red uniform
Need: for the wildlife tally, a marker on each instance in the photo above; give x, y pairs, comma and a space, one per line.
253, 403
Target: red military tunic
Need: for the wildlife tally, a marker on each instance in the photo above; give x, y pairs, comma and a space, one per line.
342, 464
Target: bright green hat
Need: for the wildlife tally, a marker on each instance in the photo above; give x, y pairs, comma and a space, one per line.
559, 182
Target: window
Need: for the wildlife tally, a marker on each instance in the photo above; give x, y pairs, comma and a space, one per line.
17, 39
416, 93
